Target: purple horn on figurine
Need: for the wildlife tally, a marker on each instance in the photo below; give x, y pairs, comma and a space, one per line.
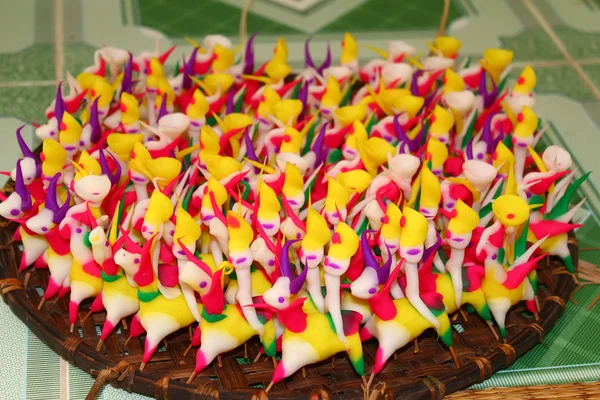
307, 58
21, 189
383, 272
400, 133
249, 148
499, 138
303, 97
51, 203
59, 104
58, 212
486, 135
188, 69
127, 83
414, 84
249, 56
429, 98
23, 146
284, 261
230, 103
318, 146
62, 211
298, 282
469, 150
488, 97
433, 248
327, 61
96, 133
113, 178
163, 107
286, 269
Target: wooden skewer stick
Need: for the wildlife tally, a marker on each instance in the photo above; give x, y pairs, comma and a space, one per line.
26, 279
191, 378
454, 358
489, 324
268, 387
86, 316
42, 302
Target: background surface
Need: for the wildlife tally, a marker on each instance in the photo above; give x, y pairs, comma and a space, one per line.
559, 38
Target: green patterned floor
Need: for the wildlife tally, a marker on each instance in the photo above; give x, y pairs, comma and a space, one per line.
560, 38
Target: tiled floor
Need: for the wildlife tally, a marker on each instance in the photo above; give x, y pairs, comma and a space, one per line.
560, 38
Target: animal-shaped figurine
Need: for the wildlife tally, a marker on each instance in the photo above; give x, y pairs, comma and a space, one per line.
396, 322
223, 327
308, 337
158, 315
504, 288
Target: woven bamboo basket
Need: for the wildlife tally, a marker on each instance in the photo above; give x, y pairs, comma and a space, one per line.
422, 372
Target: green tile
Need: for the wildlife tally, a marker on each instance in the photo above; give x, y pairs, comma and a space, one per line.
77, 57
580, 44
563, 81
532, 44
385, 15
26, 103
31, 64
593, 71
199, 18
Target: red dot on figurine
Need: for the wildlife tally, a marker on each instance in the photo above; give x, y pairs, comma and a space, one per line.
521, 81
520, 117
432, 119
287, 138
123, 107
510, 216
63, 126
386, 219
336, 239
232, 222
402, 221
448, 234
